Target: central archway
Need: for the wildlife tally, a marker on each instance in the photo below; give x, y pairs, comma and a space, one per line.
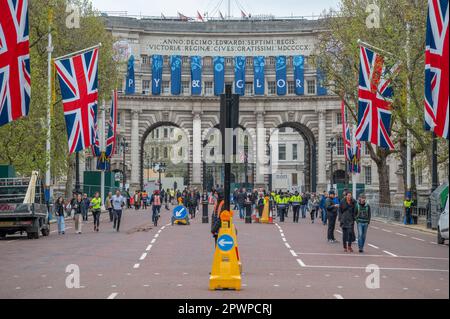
310, 169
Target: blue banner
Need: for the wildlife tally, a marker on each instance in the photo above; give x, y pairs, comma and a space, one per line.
175, 65
299, 74
157, 71
321, 89
259, 82
196, 75
219, 75
130, 86
281, 75
239, 75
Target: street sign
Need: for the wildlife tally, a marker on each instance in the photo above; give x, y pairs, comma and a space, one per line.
179, 212
225, 242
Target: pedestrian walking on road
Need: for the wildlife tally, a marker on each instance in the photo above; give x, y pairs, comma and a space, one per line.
347, 213
216, 223
85, 207
323, 211
295, 200
408, 208
108, 206
118, 202
241, 198
96, 206
77, 209
363, 216
331, 206
59, 212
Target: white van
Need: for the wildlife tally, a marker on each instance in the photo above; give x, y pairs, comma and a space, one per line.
443, 226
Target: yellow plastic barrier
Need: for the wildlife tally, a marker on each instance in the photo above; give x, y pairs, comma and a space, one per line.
265, 214
225, 273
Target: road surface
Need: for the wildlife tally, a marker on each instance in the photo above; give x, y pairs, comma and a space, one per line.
284, 260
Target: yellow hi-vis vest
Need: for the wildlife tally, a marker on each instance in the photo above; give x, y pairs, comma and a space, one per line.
407, 203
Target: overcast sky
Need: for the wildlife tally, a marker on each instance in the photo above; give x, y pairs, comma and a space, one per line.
279, 8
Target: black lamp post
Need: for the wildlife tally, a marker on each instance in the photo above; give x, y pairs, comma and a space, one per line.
159, 168
331, 146
124, 145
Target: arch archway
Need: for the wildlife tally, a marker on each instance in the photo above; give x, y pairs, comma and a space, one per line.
310, 165
142, 145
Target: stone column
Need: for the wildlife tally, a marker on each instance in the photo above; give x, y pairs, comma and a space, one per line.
322, 153
135, 167
260, 149
197, 150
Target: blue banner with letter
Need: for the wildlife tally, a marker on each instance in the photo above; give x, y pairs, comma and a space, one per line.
239, 75
130, 87
259, 82
321, 89
219, 75
175, 65
299, 74
196, 75
157, 71
281, 75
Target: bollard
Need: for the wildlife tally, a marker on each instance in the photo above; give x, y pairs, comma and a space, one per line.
205, 207
248, 213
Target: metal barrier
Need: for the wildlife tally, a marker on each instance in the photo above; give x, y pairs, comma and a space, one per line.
396, 213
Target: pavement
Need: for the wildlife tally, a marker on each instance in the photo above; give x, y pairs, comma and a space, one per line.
281, 260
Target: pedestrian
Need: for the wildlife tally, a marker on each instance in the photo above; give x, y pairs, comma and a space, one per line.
347, 221
59, 212
156, 208
363, 216
77, 209
241, 198
295, 200
118, 202
323, 211
192, 204
408, 210
144, 199
96, 206
108, 206
260, 205
331, 206
128, 196
85, 207
303, 205
216, 222
137, 200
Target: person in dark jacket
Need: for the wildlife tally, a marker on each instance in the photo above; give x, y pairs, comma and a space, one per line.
77, 211
241, 198
192, 204
59, 212
85, 207
347, 214
363, 216
216, 223
331, 206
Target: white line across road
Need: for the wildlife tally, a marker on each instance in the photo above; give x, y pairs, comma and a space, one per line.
337, 296
400, 234
300, 262
381, 268
389, 253
379, 256
113, 295
415, 238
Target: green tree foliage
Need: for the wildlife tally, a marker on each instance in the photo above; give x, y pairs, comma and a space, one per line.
22, 143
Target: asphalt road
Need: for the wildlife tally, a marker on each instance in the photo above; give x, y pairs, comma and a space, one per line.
284, 260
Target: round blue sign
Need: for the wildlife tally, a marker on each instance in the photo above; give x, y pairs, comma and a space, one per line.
225, 242
180, 212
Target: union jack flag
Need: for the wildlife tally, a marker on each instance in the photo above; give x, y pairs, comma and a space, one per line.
436, 68
375, 100
355, 163
112, 127
78, 80
15, 78
346, 134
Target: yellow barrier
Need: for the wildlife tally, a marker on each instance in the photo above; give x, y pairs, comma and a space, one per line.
265, 214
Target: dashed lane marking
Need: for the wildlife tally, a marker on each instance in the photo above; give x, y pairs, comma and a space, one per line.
156, 235
287, 245
136, 266
153, 241
389, 253
373, 246
113, 295
386, 230
337, 296
293, 253
400, 234
300, 262
143, 256
148, 248
283, 239
415, 238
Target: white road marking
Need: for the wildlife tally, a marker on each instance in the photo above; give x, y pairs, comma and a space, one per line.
163, 227
148, 248
327, 275
100, 275
143, 256
113, 286
437, 289
113, 295
156, 235
159, 231
43, 276
400, 234
356, 276
389, 253
373, 246
432, 242
271, 274
340, 287
136, 266
18, 288
375, 227
287, 245
128, 274
276, 285
185, 273
283, 239
337, 296
381, 268
179, 285
405, 288
153, 241
298, 274
146, 285
308, 286
300, 262
293, 253
49, 287
282, 235
386, 230
415, 238
156, 273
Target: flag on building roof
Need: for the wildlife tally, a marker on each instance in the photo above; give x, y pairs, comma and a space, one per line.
199, 17
182, 17
221, 16
436, 68
243, 14
15, 76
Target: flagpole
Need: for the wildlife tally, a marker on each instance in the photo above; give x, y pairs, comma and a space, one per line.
374, 47
49, 106
102, 150
78, 52
408, 106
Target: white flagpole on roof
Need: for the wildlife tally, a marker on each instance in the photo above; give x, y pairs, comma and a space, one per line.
78, 52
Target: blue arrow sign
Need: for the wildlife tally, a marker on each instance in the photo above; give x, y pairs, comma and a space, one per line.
180, 212
225, 242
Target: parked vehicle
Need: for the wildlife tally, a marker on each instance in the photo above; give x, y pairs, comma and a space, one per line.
443, 225
22, 207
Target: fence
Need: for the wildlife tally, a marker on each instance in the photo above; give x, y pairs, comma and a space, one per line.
396, 213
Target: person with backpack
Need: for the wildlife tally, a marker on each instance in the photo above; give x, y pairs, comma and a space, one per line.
363, 216
156, 208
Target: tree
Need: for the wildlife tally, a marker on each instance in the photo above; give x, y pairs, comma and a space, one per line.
338, 53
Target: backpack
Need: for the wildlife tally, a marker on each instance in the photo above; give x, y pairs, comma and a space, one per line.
363, 212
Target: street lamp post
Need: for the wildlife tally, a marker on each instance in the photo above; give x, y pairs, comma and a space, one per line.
123, 145
159, 168
332, 145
